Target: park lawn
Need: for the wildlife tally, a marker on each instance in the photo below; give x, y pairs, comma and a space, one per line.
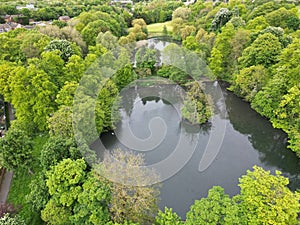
20, 185
157, 28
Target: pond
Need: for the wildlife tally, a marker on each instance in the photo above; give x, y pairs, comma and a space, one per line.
246, 139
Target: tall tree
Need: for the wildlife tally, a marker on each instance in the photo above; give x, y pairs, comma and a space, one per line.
217, 208
133, 199
64, 184
264, 50
266, 199
16, 150
220, 60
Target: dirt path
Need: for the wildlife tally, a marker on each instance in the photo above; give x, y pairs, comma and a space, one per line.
5, 186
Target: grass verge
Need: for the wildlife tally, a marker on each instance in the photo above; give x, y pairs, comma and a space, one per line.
20, 185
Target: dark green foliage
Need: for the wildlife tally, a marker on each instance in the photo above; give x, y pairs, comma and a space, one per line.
57, 149
93, 202
59, 23
196, 108
173, 73
16, 150
284, 18
146, 58
39, 195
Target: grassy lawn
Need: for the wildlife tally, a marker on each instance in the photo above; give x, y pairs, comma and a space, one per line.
157, 28
20, 185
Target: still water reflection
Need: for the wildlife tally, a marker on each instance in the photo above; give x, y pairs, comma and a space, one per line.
249, 140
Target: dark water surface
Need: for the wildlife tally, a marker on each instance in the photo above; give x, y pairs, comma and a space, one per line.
249, 140
246, 139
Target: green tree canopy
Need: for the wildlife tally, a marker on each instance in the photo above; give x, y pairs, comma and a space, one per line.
16, 150
266, 199
217, 208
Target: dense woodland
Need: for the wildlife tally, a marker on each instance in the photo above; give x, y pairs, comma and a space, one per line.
252, 45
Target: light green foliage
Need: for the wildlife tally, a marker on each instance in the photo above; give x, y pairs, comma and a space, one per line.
63, 180
238, 43
220, 60
64, 184
66, 94
97, 50
52, 64
60, 123
42, 98
249, 81
217, 208
6, 71
168, 218
59, 23
276, 31
55, 214
10, 47
16, 150
237, 22
74, 69
155, 11
136, 201
257, 24
196, 108
124, 76
91, 31
177, 24
264, 50
11, 220
124, 58
200, 47
33, 96
216, 62
263, 8
287, 116
266, 199
63, 46
92, 23
106, 109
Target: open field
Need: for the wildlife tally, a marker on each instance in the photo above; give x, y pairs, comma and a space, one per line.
156, 29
